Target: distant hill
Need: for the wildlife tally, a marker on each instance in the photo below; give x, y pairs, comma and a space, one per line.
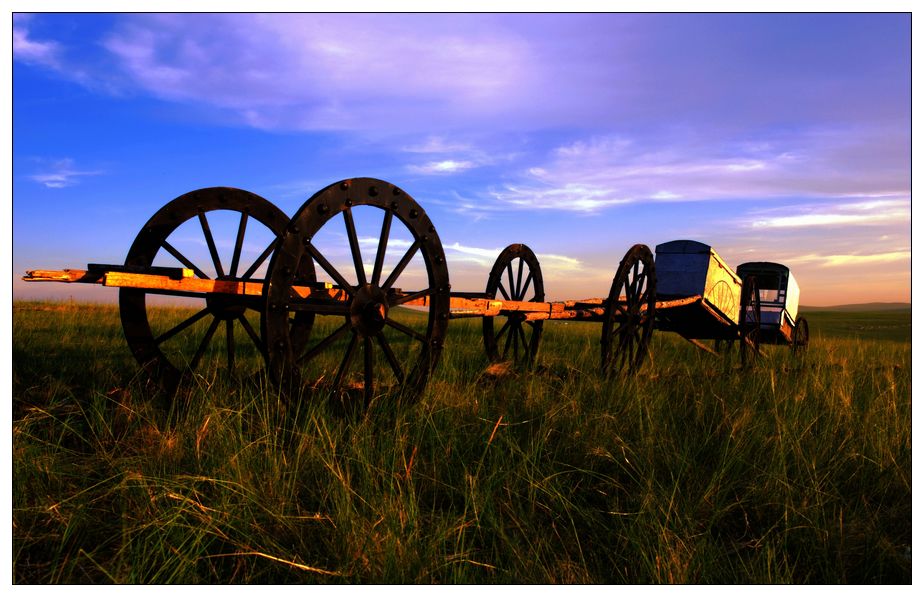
861, 307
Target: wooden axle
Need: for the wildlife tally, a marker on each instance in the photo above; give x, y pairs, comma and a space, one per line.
181, 281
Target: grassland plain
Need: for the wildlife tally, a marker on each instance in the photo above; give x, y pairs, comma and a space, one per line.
692, 471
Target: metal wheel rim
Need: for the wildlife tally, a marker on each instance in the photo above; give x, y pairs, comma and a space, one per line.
285, 358
800, 336
153, 238
525, 346
627, 327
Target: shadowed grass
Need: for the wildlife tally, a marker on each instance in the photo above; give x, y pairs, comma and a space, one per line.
693, 471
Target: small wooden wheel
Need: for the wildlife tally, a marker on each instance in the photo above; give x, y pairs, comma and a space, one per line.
800, 336
193, 231
519, 345
362, 313
630, 313
749, 323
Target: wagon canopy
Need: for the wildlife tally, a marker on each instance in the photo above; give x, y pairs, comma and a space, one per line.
779, 291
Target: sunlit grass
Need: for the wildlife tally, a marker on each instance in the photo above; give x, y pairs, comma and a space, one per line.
693, 471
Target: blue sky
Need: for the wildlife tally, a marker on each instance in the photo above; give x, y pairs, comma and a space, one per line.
772, 137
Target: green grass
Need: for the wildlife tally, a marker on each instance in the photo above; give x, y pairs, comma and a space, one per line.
693, 471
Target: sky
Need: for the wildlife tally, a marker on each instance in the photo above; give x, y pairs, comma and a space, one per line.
770, 137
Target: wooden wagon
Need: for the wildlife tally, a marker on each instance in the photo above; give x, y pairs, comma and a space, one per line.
353, 329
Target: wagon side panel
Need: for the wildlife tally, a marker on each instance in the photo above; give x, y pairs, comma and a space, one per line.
693, 269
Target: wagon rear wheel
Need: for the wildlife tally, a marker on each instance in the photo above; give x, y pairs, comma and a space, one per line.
220, 233
630, 313
749, 323
367, 345
800, 336
515, 339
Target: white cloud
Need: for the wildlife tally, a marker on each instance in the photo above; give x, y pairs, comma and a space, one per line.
437, 144
591, 174
29, 50
304, 72
856, 213
851, 260
61, 173
443, 167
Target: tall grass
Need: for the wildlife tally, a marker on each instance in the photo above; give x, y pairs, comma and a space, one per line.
692, 471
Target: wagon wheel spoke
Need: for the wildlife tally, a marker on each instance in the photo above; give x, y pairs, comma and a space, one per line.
519, 279
368, 363
510, 286
529, 280
503, 292
383, 244
516, 342
403, 328
250, 332
238, 244
401, 265
390, 357
207, 231
320, 346
205, 342
510, 337
181, 326
347, 360
503, 329
259, 260
229, 337
327, 267
354, 247
523, 340
182, 259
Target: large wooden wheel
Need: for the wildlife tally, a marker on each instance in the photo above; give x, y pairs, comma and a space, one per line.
800, 336
219, 233
749, 323
630, 313
365, 345
518, 337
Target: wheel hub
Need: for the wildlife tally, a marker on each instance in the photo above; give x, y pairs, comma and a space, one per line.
369, 310
225, 306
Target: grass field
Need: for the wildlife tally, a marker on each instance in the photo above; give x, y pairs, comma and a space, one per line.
692, 471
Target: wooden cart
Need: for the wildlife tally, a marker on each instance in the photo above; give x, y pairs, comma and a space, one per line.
326, 327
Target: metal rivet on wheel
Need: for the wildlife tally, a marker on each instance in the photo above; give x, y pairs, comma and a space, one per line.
393, 205
431, 229
323, 209
373, 191
425, 238
396, 191
344, 185
348, 202
414, 213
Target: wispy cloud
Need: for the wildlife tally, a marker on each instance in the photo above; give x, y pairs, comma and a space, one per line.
437, 144
62, 173
549, 263
851, 259
29, 50
591, 174
855, 213
443, 167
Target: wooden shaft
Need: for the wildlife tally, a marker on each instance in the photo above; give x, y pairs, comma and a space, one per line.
461, 304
